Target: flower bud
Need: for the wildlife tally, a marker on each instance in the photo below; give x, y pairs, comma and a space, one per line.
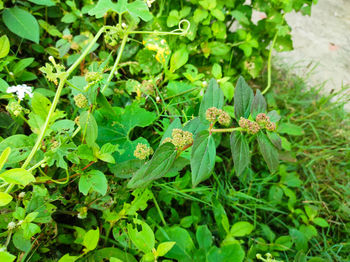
80, 101
93, 76
21, 195
262, 119
243, 122
270, 126
253, 127
212, 113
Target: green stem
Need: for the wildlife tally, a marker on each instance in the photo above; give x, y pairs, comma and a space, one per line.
37, 165
226, 130
114, 69
63, 80
269, 65
159, 211
156, 33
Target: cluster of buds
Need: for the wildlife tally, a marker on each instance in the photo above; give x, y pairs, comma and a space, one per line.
54, 144
250, 126
83, 211
113, 35
14, 108
264, 121
93, 77
214, 114
180, 138
80, 101
142, 151
269, 258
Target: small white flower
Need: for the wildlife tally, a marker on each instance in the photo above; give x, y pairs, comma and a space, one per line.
20, 222
20, 90
11, 225
21, 195
124, 25
150, 2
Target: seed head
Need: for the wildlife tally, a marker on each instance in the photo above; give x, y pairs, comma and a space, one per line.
167, 140
224, 118
212, 113
243, 122
270, 126
262, 119
80, 101
180, 138
143, 151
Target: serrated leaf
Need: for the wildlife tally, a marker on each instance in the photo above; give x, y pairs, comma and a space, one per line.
268, 151
156, 168
202, 157
213, 97
104, 6
258, 105
240, 152
4, 46
21, 23
139, 8
243, 99
18, 176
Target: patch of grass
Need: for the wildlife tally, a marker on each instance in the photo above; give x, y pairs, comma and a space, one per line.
322, 154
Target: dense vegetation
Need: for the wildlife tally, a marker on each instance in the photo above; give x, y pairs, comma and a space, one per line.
146, 131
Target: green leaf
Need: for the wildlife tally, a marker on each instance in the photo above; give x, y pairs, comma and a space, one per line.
240, 152
6, 257
268, 151
258, 105
5, 199
275, 139
22, 64
18, 176
202, 157
290, 129
228, 90
40, 105
30, 229
104, 6
320, 222
43, 2
283, 243
21, 23
144, 239
243, 99
241, 229
178, 59
68, 258
204, 237
139, 8
89, 128
109, 252
158, 167
226, 253
51, 29
20, 147
216, 71
164, 247
94, 180
182, 251
274, 116
218, 48
91, 239
199, 15
213, 97
4, 156
4, 46
20, 242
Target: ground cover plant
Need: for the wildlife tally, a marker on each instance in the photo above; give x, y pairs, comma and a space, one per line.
128, 134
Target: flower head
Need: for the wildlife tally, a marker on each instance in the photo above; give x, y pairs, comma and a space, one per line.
262, 119
270, 126
11, 225
253, 127
15, 108
224, 118
212, 113
142, 151
80, 101
20, 90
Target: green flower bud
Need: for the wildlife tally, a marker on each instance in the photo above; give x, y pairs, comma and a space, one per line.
270, 126
15, 108
80, 101
253, 127
243, 122
262, 119
93, 77
224, 118
142, 151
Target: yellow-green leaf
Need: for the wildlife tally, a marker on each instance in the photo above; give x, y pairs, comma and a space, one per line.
18, 176
3, 157
4, 46
5, 199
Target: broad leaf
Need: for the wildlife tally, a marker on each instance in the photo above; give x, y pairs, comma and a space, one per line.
213, 97
178, 59
89, 128
4, 46
20, 147
5, 199
91, 239
240, 152
109, 252
243, 99
204, 237
21, 23
18, 176
43, 2
226, 253
268, 151
202, 157
241, 229
104, 6
143, 239
4, 156
156, 168
94, 180
258, 104
275, 139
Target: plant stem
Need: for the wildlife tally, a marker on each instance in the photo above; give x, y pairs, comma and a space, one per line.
114, 69
269, 65
158, 209
37, 165
226, 130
